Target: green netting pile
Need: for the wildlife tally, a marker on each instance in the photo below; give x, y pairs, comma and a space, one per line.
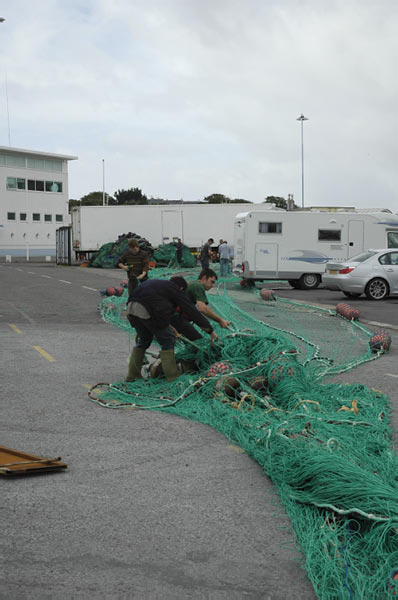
166, 255
326, 446
108, 255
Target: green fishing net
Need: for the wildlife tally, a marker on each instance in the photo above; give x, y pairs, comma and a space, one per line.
326, 446
166, 254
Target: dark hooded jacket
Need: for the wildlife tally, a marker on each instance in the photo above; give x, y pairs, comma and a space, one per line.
161, 299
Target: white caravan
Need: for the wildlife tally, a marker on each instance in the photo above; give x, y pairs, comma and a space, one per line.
296, 245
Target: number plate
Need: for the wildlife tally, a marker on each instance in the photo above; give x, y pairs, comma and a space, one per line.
332, 271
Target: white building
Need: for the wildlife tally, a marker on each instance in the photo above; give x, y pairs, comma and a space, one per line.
33, 201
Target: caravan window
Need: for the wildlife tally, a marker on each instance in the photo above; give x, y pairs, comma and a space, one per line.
269, 227
329, 235
392, 239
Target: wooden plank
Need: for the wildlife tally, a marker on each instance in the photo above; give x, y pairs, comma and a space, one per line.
16, 462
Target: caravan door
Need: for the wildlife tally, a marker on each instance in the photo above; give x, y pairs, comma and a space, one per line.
266, 260
355, 237
171, 225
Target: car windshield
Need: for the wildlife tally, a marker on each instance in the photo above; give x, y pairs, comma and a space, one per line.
363, 256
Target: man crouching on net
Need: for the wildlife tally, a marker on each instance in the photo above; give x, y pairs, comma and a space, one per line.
150, 310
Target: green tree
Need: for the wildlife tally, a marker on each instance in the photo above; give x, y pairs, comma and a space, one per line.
277, 200
217, 199
96, 199
240, 201
72, 203
130, 196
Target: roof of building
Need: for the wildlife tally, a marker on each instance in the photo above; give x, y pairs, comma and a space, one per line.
10, 150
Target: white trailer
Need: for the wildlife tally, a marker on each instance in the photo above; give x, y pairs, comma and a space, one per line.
93, 226
297, 245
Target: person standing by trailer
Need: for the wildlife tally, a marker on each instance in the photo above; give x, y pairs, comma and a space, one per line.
150, 309
224, 253
136, 263
205, 254
179, 247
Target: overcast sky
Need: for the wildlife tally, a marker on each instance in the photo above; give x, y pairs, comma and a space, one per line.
185, 98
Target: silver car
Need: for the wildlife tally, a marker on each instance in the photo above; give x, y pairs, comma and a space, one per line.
374, 273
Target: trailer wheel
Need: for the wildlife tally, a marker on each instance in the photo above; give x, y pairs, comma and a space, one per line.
295, 283
310, 281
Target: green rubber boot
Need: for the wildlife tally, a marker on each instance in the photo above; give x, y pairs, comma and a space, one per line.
169, 365
135, 364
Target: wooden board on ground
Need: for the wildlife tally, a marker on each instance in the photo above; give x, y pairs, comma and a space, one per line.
15, 462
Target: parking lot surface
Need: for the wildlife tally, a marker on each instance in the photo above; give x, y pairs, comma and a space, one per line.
151, 505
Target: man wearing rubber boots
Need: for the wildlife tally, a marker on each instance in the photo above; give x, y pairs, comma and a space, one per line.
150, 309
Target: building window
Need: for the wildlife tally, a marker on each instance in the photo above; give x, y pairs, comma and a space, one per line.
15, 161
269, 227
48, 218
36, 216
31, 163
23, 216
15, 183
40, 186
53, 186
329, 235
53, 165
56, 186
11, 216
59, 218
35, 163
44, 164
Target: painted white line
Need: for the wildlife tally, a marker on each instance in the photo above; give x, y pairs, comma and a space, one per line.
20, 270
89, 288
63, 281
391, 375
31, 273
46, 276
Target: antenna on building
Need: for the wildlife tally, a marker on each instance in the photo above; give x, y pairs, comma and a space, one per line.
8, 114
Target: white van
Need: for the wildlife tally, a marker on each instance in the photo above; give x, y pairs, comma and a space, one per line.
296, 245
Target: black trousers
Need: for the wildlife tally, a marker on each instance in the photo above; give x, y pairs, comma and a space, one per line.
133, 283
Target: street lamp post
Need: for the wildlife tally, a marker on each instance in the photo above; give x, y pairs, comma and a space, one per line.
302, 118
103, 183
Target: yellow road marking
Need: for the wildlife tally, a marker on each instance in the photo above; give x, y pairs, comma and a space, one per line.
15, 328
45, 354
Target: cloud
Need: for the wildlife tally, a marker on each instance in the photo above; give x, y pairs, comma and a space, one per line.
183, 98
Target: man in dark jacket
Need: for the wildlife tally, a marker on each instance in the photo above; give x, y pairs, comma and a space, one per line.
205, 254
179, 249
150, 309
136, 263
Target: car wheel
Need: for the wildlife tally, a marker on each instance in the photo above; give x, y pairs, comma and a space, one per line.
295, 283
377, 289
310, 281
351, 294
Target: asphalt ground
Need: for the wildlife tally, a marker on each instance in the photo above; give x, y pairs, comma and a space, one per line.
151, 505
